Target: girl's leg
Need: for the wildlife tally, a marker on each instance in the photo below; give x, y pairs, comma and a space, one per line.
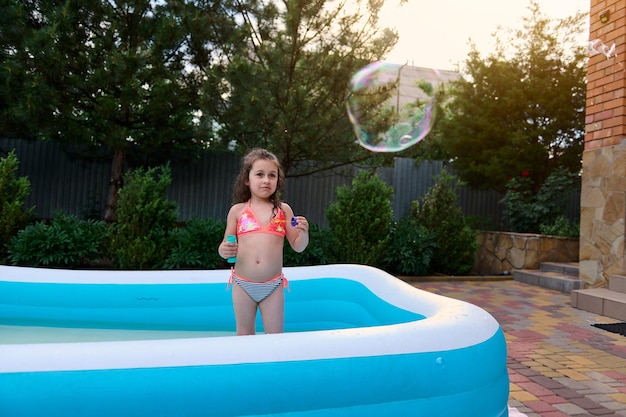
273, 311
245, 311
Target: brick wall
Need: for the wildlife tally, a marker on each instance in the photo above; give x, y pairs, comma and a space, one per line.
606, 76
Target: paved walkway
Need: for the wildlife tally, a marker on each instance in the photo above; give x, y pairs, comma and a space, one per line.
559, 364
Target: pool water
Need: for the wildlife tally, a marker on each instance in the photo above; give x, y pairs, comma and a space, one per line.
10, 335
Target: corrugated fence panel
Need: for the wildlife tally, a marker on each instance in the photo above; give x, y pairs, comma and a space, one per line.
484, 206
203, 188
411, 182
311, 196
58, 182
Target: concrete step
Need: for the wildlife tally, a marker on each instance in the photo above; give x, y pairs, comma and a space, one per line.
601, 301
548, 279
566, 268
617, 283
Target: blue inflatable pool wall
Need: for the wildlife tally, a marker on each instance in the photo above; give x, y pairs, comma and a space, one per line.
358, 342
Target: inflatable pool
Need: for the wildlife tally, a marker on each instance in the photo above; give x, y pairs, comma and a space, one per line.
358, 342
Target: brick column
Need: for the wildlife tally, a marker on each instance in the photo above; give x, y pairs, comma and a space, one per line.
603, 192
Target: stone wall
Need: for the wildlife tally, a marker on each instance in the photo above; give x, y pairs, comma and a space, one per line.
602, 214
502, 252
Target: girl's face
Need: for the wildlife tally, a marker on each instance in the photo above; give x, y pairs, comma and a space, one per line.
263, 178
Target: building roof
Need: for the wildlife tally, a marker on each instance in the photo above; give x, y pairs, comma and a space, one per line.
410, 76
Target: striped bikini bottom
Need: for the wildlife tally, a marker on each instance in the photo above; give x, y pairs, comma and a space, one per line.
258, 291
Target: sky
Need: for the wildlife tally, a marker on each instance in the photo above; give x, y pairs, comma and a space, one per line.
436, 33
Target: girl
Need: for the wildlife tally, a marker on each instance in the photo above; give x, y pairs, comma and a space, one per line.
261, 222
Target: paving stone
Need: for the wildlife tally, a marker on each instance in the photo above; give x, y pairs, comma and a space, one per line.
602, 377
599, 398
574, 374
515, 377
570, 409
614, 405
619, 397
602, 412
523, 396
585, 403
570, 383
600, 387
559, 365
540, 407
535, 389
547, 382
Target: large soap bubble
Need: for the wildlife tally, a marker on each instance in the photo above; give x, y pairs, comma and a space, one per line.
385, 119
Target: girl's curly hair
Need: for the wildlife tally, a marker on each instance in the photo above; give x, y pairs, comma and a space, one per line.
241, 191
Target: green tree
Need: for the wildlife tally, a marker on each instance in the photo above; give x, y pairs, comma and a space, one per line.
527, 212
288, 86
13, 192
141, 238
133, 77
520, 113
454, 240
360, 220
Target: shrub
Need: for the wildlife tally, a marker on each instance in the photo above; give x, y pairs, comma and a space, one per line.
13, 193
194, 246
440, 213
66, 242
525, 211
141, 235
316, 253
410, 250
560, 227
360, 220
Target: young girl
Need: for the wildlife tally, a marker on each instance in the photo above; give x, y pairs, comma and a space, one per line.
261, 222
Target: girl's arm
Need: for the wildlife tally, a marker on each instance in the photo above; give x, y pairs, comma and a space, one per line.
229, 249
298, 235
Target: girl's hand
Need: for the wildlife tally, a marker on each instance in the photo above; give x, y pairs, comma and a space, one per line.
228, 249
300, 223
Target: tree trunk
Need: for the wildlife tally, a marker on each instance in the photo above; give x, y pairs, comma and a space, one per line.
115, 183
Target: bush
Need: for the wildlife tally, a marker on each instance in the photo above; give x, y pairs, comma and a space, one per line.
360, 220
194, 246
66, 242
561, 227
141, 236
440, 213
525, 211
13, 193
316, 253
410, 249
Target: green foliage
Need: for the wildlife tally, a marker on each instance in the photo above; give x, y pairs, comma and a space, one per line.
194, 246
411, 248
66, 242
525, 211
289, 78
13, 193
562, 226
316, 253
141, 236
440, 214
142, 77
137, 78
510, 113
126, 58
360, 220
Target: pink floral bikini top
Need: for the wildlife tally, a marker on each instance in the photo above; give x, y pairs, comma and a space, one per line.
248, 223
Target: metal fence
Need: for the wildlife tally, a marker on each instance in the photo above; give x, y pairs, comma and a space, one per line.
203, 189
